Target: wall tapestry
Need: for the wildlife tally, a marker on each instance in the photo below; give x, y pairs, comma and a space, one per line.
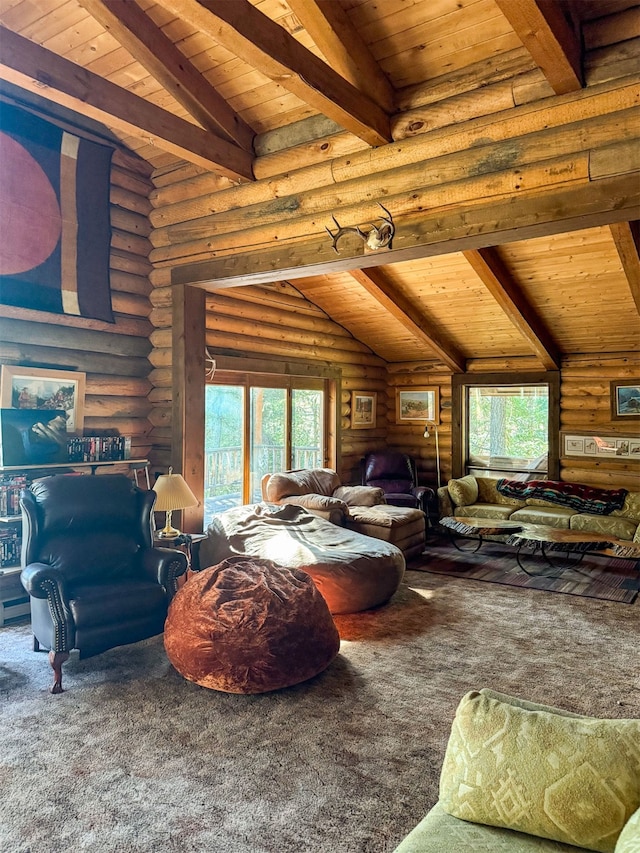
55, 229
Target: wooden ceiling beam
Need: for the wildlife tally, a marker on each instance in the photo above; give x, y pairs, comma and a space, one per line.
50, 76
147, 44
387, 294
626, 236
478, 224
490, 269
343, 48
549, 38
256, 39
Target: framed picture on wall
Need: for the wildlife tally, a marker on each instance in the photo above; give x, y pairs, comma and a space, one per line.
625, 399
363, 409
41, 388
417, 404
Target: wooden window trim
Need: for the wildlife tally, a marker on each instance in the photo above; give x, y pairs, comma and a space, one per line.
460, 381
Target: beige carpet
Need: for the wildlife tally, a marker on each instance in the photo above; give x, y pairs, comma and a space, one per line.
133, 758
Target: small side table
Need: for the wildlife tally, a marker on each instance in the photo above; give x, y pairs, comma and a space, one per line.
183, 542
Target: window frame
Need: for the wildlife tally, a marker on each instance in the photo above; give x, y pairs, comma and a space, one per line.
460, 416
290, 376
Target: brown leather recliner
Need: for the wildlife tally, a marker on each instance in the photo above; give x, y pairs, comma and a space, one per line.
89, 565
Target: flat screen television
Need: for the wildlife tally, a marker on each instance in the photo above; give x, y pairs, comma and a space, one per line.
32, 437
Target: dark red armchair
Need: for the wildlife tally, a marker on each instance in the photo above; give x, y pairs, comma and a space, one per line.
396, 474
89, 565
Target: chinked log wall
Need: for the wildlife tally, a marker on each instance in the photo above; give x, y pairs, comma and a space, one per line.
113, 356
267, 324
566, 143
507, 141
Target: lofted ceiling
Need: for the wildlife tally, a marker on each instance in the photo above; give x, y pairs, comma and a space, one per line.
228, 85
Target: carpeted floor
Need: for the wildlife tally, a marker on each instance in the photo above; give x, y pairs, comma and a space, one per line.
611, 579
133, 759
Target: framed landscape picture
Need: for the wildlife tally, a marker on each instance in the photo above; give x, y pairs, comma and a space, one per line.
41, 388
625, 399
417, 404
363, 409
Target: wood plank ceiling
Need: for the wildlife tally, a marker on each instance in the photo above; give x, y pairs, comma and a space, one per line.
228, 85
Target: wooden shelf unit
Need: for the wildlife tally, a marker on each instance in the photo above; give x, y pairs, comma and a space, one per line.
14, 601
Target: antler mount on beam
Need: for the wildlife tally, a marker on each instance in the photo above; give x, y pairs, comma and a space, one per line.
378, 237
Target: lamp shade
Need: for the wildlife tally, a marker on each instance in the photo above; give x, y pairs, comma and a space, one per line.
173, 493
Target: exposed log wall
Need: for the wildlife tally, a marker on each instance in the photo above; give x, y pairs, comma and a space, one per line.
409, 437
585, 409
267, 324
113, 356
529, 155
512, 140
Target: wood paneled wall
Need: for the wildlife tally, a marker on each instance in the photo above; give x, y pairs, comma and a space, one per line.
263, 325
585, 409
113, 356
409, 438
276, 322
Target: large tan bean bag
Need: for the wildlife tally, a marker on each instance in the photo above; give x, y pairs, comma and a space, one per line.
352, 571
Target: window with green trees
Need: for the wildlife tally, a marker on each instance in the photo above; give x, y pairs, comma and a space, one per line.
256, 427
506, 425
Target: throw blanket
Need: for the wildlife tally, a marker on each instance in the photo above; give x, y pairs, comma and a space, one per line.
572, 495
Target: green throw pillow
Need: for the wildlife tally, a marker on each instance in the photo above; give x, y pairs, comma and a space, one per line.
464, 491
629, 841
541, 771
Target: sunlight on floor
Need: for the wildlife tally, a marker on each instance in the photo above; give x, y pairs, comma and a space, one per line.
424, 593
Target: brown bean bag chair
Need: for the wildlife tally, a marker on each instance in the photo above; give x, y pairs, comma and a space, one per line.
248, 625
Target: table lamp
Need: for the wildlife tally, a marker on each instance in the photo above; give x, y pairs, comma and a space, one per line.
173, 493
427, 434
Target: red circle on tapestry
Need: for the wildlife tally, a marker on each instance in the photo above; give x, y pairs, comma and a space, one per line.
30, 220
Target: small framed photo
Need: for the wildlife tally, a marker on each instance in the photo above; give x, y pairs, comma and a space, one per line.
363, 409
44, 389
414, 405
574, 446
625, 399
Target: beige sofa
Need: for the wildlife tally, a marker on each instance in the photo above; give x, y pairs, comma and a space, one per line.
479, 497
359, 508
519, 777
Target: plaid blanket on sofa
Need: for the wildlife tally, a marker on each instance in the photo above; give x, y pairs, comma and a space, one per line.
572, 495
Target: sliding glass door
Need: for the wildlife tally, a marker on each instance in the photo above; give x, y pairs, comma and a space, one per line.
257, 427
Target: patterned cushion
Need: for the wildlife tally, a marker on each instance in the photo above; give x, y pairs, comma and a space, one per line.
463, 491
488, 493
608, 525
557, 517
484, 511
631, 508
541, 771
629, 841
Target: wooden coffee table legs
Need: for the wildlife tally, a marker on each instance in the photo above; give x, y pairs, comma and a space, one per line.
573, 545
567, 562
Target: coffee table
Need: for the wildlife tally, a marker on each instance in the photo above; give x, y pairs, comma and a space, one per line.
625, 550
476, 526
549, 539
